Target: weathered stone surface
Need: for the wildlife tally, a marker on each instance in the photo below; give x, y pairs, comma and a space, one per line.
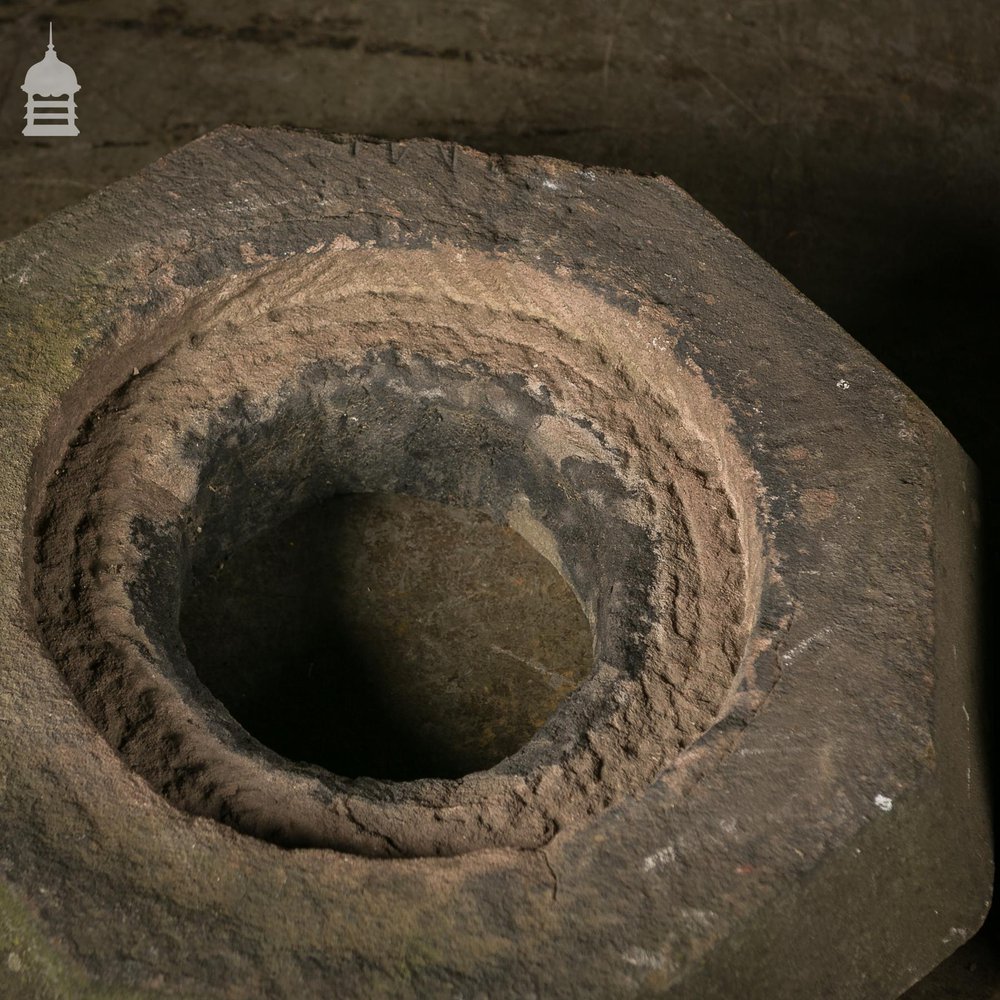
771, 783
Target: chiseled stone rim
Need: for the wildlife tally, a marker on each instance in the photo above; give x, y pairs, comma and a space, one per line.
658, 540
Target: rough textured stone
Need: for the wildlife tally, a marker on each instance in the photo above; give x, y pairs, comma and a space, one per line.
771, 781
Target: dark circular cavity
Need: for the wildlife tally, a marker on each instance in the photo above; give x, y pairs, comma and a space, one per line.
385, 636
450, 435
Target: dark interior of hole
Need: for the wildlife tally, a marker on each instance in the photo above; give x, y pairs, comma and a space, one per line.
387, 636
423, 462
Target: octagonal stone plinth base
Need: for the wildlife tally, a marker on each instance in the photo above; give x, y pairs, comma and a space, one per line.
769, 785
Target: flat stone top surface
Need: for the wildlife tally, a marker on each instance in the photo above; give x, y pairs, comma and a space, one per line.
828, 828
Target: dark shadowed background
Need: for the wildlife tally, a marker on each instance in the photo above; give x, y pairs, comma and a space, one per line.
854, 144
